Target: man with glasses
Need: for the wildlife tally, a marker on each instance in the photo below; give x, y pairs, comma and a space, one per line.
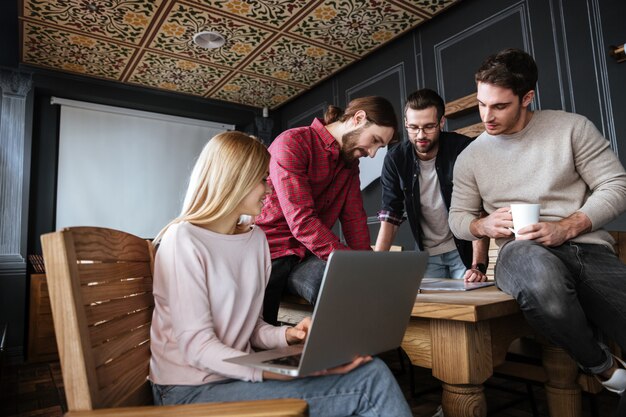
417, 179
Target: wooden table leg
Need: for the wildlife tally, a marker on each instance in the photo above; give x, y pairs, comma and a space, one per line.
562, 390
463, 401
462, 361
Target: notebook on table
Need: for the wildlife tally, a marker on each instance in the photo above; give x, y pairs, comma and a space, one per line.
363, 308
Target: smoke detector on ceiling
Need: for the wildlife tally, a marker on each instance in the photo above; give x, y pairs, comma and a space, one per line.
208, 40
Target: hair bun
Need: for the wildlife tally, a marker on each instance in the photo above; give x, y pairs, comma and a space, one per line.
332, 114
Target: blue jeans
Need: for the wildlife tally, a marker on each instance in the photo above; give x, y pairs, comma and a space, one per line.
369, 390
567, 291
303, 278
445, 265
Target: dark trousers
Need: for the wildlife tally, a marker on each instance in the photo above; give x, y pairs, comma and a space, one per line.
302, 278
566, 292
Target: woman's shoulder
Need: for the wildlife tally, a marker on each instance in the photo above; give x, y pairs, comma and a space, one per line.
190, 233
179, 230
178, 233
257, 233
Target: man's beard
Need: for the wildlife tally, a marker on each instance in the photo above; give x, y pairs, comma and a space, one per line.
348, 146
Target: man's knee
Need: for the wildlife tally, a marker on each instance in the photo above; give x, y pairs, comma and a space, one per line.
527, 257
517, 251
528, 265
306, 278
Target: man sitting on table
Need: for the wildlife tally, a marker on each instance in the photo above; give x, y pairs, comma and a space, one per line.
562, 270
314, 175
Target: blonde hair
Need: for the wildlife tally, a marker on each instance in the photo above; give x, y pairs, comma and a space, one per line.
228, 168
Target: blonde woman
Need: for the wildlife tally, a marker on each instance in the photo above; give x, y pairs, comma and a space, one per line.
210, 275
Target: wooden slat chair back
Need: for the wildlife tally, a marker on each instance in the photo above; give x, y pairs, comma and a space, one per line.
100, 284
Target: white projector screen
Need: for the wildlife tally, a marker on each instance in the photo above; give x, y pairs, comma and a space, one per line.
125, 169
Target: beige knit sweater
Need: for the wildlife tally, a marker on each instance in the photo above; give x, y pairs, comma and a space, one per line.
559, 160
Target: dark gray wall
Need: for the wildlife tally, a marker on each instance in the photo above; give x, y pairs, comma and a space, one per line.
569, 39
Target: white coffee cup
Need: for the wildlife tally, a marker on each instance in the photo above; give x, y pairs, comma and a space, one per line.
524, 215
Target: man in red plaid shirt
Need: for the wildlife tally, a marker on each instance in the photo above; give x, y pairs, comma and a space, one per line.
314, 176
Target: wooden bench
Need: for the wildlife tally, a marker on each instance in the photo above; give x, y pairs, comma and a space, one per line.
41, 346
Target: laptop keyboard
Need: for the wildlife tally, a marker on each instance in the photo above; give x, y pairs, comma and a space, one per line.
292, 360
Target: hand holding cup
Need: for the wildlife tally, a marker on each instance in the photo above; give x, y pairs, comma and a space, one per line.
524, 215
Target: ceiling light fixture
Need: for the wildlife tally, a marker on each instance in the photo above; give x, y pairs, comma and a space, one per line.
208, 40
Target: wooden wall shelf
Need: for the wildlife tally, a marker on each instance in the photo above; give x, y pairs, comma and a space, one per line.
461, 106
472, 130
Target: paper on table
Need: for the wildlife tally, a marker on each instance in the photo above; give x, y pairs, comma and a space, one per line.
446, 284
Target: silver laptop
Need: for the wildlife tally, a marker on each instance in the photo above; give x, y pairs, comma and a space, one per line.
363, 308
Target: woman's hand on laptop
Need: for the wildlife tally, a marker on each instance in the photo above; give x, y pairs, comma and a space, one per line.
344, 369
338, 370
298, 333
267, 375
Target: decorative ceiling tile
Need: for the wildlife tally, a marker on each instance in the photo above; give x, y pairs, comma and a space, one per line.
430, 6
174, 74
176, 36
296, 61
122, 20
52, 48
356, 26
264, 12
255, 91
274, 50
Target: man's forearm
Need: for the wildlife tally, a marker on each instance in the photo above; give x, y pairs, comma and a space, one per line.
476, 228
386, 235
576, 224
480, 251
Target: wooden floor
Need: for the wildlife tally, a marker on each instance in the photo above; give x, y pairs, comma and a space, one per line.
36, 389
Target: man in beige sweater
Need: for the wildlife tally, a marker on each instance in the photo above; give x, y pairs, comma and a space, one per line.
562, 270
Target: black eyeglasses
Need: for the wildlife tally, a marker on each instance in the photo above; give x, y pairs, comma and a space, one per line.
428, 129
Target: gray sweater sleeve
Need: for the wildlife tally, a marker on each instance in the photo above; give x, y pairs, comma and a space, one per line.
466, 202
602, 171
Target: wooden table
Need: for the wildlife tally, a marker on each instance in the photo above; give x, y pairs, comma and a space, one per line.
462, 336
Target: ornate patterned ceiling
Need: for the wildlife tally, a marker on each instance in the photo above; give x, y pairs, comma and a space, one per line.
274, 50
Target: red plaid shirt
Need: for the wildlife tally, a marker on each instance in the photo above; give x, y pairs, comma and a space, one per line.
311, 189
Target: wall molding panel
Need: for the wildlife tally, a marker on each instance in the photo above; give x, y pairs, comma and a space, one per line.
15, 87
520, 8
397, 70
309, 114
14, 161
562, 54
418, 57
602, 78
